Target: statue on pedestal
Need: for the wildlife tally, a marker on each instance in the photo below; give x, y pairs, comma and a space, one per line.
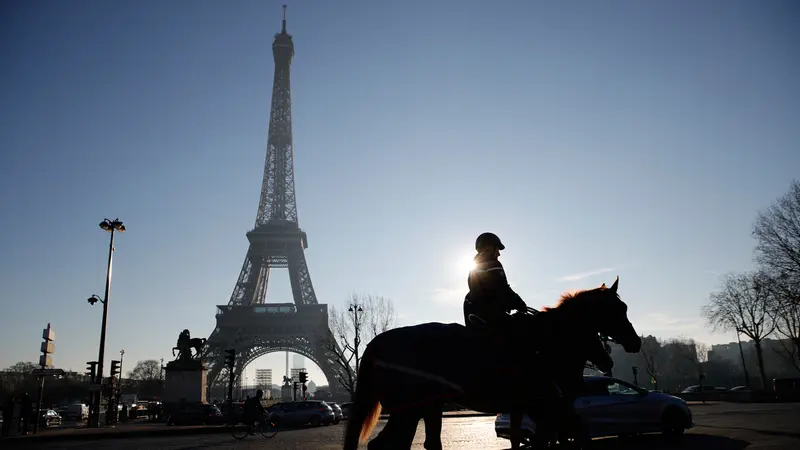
184, 347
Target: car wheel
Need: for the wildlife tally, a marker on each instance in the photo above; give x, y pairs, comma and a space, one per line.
673, 422
315, 421
336, 422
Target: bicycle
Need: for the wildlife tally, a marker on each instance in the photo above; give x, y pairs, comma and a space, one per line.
265, 424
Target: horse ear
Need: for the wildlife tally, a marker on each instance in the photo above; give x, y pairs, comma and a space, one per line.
603, 286
615, 285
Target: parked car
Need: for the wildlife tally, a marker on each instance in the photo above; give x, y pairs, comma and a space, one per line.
704, 388
612, 407
345, 407
314, 412
236, 411
786, 389
337, 412
704, 393
75, 411
48, 418
195, 414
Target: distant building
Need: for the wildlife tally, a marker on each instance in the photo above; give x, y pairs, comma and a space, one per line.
295, 373
311, 386
728, 351
264, 378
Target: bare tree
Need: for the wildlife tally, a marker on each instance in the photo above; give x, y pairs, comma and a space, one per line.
785, 314
353, 327
147, 370
777, 231
650, 350
23, 367
743, 305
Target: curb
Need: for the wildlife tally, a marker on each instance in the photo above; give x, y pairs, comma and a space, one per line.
112, 434
102, 434
453, 416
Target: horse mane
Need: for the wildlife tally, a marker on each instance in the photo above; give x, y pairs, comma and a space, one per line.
570, 297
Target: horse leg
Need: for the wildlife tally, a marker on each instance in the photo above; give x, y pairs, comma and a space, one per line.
516, 428
384, 438
399, 432
366, 408
433, 427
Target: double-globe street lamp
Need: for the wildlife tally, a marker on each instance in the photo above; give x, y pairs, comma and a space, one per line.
111, 226
355, 309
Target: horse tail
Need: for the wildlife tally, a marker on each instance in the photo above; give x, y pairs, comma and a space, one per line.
366, 409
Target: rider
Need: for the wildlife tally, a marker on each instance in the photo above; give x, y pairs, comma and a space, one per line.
251, 407
490, 297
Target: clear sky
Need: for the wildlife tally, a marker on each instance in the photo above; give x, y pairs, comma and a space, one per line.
597, 139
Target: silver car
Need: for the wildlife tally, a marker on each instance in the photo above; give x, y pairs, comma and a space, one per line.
612, 407
337, 412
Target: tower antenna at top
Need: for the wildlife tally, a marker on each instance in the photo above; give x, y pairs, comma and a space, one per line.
284, 18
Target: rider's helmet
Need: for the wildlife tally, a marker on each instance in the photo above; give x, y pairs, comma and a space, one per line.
487, 241
259, 393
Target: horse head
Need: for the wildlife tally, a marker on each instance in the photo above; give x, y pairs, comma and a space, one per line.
601, 311
609, 316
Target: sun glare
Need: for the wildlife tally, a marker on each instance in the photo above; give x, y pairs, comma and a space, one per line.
465, 264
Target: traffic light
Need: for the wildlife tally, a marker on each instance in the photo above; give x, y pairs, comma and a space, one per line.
635, 370
114, 368
48, 347
303, 377
91, 370
230, 358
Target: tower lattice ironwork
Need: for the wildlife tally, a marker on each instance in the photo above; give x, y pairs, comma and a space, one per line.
248, 323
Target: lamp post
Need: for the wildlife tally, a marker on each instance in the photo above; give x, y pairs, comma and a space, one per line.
121, 359
111, 226
355, 309
161, 380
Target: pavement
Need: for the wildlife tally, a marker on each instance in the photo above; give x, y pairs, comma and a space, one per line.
719, 426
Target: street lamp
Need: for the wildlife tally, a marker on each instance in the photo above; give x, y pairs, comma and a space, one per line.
121, 359
111, 226
355, 309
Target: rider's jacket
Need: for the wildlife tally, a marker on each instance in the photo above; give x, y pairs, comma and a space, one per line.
490, 297
253, 405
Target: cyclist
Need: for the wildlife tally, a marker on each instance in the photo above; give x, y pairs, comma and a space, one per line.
252, 406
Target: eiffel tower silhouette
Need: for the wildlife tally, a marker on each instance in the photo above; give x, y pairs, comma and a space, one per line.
248, 324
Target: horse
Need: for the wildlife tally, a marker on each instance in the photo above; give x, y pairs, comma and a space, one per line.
404, 423
197, 344
408, 370
186, 343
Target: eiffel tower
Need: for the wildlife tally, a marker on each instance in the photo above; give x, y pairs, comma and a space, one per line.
248, 323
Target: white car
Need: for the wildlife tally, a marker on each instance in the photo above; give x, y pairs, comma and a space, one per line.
612, 407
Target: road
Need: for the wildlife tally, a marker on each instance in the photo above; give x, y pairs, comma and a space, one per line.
720, 426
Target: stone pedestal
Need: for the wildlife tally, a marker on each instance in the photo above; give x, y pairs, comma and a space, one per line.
287, 394
185, 382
